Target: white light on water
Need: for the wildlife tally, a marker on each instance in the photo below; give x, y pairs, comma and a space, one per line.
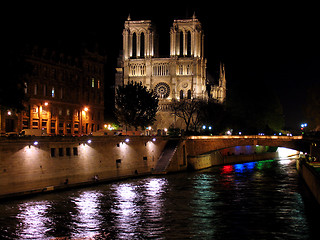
287, 152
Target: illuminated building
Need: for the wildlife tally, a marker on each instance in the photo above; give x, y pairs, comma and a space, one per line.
182, 75
65, 93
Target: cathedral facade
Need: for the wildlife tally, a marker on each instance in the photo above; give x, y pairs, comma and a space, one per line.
182, 75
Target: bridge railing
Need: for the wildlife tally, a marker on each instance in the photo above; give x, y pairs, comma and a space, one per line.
244, 137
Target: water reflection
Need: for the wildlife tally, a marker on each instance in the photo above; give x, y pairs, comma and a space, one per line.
126, 210
260, 200
203, 203
138, 208
87, 219
33, 222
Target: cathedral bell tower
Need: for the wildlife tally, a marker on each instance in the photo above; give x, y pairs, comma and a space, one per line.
186, 38
139, 39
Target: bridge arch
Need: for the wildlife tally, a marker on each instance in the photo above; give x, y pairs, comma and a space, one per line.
197, 145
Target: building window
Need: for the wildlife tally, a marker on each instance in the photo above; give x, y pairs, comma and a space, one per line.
161, 69
187, 69
137, 69
98, 84
189, 44
181, 44
44, 90
61, 93
25, 123
142, 45
53, 152
68, 151
60, 152
181, 94
35, 89
52, 92
75, 151
134, 45
92, 82
189, 94
180, 69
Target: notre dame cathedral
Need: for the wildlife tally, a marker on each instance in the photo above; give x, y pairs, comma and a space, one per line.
182, 75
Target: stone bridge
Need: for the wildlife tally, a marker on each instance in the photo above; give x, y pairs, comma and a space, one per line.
198, 145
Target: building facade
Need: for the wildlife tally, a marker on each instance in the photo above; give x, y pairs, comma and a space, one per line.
65, 94
182, 75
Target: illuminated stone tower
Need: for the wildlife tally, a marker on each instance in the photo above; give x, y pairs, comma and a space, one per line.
139, 39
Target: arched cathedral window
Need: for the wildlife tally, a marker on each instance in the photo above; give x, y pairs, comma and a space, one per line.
181, 94
142, 45
181, 43
189, 44
189, 94
134, 45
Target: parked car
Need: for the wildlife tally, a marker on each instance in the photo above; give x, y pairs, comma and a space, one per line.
11, 134
33, 132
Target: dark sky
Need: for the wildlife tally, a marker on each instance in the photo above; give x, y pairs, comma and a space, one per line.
277, 44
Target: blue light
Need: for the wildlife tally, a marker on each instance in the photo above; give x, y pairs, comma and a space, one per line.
239, 168
204, 127
250, 166
89, 141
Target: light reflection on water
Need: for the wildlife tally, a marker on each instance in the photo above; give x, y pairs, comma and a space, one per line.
33, 222
87, 218
259, 200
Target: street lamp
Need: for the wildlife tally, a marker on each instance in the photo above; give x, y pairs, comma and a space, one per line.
303, 125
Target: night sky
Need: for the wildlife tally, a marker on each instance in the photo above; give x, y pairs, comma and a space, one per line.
277, 44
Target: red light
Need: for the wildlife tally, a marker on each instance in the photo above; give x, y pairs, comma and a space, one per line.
227, 169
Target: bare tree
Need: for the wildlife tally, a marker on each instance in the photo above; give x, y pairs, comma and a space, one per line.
188, 110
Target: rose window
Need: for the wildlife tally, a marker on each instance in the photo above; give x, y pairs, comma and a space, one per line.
162, 90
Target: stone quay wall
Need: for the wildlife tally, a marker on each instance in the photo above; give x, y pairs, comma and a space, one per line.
44, 164
311, 178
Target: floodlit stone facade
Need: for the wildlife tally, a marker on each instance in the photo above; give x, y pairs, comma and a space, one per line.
182, 75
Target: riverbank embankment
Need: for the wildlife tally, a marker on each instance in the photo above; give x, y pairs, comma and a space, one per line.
311, 177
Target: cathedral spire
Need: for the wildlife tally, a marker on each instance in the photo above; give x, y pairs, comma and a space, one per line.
129, 17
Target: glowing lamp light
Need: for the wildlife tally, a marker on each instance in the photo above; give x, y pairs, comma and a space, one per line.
127, 140
46, 103
9, 113
153, 139
203, 127
89, 141
86, 109
35, 143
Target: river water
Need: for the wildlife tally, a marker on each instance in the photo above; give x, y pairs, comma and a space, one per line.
259, 200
